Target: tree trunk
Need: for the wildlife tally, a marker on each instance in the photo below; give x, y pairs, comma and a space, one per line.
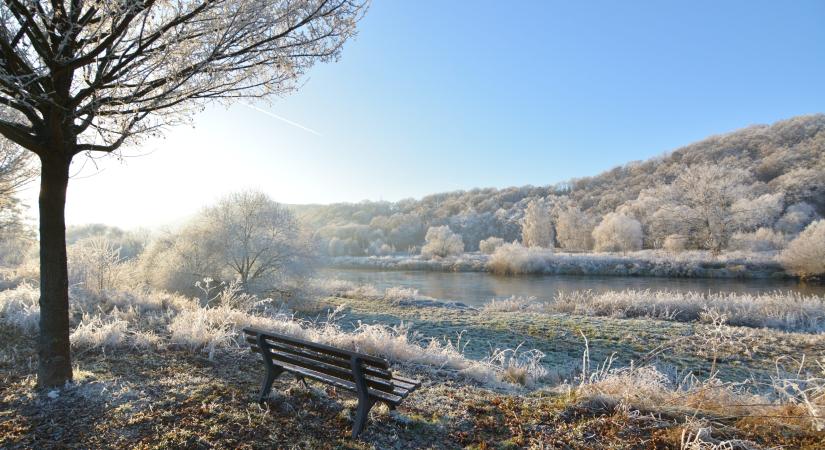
55, 367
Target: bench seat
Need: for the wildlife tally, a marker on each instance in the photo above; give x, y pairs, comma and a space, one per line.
369, 377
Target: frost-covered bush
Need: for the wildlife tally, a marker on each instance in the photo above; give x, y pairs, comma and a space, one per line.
19, 307
675, 243
441, 242
96, 264
761, 240
488, 246
97, 332
759, 212
796, 218
618, 233
537, 226
805, 255
514, 259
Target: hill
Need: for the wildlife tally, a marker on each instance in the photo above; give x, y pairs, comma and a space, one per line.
782, 164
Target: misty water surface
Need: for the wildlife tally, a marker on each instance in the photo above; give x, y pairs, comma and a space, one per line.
476, 288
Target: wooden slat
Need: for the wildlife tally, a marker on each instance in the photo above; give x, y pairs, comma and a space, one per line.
343, 384
279, 357
332, 365
403, 385
415, 383
372, 360
329, 359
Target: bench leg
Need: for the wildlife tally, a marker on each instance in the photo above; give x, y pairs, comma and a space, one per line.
361, 415
269, 378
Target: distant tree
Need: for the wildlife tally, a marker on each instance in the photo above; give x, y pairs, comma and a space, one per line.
805, 255
537, 226
16, 171
574, 229
701, 200
87, 76
441, 242
252, 236
618, 233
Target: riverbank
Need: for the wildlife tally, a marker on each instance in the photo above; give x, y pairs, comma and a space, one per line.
648, 263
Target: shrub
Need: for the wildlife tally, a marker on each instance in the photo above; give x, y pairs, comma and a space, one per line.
95, 263
761, 240
19, 307
488, 246
442, 242
805, 255
618, 233
514, 259
796, 218
675, 243
94, 332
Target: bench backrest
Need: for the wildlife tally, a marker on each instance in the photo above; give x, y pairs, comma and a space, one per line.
327, 361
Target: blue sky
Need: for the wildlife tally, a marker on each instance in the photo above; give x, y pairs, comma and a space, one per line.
436, 96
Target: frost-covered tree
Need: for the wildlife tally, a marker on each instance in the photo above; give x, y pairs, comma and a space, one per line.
701, 199
805, 255
618, 233
90, 76
441, 242
254, 237
574, 229
537, 226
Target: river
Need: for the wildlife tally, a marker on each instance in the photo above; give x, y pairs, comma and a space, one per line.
477, 288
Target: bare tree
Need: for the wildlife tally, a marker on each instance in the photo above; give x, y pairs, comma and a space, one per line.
254, 236
90, 76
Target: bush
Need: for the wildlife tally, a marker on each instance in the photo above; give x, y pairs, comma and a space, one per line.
761, 240
488, 246
805, 255
514, 259
618, 233
442, 242
96, 263
796, 218
675, 243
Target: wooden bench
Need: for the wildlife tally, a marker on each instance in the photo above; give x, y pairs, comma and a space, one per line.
368, 376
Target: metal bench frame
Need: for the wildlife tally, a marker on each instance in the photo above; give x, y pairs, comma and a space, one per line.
368, 376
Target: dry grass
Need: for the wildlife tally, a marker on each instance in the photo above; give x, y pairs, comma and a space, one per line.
788, 311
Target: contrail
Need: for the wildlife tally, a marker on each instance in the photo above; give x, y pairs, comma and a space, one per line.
283, 119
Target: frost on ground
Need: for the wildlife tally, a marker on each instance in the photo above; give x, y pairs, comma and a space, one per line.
180, 377
789, 311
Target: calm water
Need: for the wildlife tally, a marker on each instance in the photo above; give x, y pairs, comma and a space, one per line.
474, 288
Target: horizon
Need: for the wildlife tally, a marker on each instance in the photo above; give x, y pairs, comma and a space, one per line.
402, 115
